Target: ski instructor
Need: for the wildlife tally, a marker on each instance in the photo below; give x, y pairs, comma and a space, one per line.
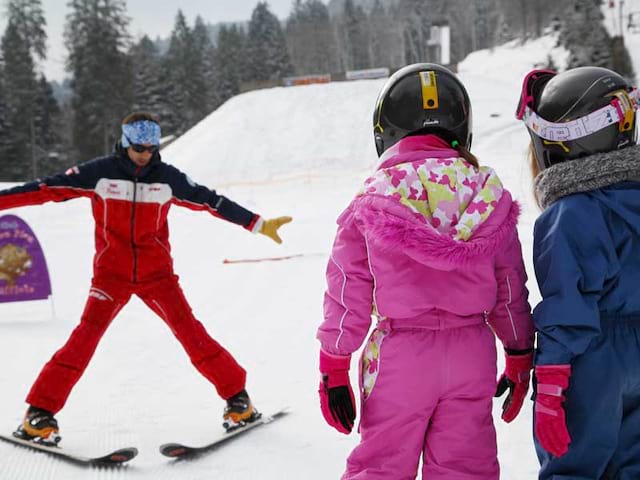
131, 191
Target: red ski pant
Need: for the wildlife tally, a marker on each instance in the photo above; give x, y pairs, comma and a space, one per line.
106, 299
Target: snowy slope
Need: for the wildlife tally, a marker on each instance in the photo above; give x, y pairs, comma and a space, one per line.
301, 151
280, 133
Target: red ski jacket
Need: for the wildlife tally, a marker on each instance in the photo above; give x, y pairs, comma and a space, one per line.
130, 206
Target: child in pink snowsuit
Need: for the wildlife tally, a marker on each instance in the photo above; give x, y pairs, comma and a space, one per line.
429, 248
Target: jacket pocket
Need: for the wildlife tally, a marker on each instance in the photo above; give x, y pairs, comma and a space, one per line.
370, 363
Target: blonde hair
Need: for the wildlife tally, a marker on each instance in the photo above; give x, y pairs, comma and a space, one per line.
534, 166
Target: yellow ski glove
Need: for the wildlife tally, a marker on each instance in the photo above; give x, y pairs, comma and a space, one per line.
270, 227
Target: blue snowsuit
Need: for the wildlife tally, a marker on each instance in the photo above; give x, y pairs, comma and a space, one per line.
587, 261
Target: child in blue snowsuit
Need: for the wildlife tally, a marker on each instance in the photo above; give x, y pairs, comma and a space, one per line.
587, 261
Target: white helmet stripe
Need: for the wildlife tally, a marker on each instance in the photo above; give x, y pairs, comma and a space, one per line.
578, 128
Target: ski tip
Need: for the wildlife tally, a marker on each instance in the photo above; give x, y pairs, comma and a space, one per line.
119, 456
280, 413
173, 450
124, 454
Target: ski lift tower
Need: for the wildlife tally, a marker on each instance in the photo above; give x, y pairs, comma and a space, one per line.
439, 43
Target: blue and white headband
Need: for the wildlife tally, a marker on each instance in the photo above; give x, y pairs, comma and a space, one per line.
142, 132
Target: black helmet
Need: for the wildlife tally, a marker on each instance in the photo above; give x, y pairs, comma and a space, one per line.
576, 113
425, 98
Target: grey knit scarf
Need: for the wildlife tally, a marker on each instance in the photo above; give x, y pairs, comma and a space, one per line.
586, 174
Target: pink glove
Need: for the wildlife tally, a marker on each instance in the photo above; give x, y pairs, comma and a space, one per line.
516, 379
550, 422
336, 396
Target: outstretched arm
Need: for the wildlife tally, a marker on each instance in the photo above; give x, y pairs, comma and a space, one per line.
187, 193
78, 181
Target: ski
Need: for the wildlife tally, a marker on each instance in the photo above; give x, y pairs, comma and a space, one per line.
115, 458
181, 451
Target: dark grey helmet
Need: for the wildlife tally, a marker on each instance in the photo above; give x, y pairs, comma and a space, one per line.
574, 94
422, 98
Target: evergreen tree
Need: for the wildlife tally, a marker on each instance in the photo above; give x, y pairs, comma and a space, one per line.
385, 37
267, 49
24, 40
621, 60
20, 84
482, 25
356, 37
585, 35
527, 18
189, 73
176, 71
377, 20
27, 17
47, 140
230, 68
310, 38
203, 74
63, 127
294, 33
5, 125
147, 80
97, 39
321, 36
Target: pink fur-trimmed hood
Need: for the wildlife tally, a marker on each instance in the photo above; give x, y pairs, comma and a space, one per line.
438, 188
427, 202
392, 227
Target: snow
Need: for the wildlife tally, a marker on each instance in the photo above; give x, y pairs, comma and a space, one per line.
282, 132
300, 151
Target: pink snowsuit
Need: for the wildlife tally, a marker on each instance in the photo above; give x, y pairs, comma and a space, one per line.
430, 249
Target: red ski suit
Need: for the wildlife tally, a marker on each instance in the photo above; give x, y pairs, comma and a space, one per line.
133, 257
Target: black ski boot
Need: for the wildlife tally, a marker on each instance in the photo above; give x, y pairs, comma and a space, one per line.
239, 411
39, 426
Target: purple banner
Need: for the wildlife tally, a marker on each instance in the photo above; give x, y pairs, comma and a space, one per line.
23, 268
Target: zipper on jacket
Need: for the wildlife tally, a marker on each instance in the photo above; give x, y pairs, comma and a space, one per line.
133, 223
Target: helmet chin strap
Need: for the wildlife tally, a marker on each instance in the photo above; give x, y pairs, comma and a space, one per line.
621, 110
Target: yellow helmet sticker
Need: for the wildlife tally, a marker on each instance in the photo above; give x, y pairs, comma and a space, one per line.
429, 90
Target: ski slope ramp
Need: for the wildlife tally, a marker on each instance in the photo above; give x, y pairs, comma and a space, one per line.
282, 132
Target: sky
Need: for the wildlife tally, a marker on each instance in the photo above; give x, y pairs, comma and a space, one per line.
146, 17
